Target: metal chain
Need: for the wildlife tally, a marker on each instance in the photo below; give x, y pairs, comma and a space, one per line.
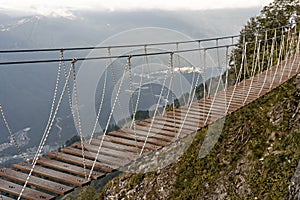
239, 74
139, 94
279, 59
261, 64
12, 136
149, 72
69, 91
132, 101
191, 102
101, 104
48, 131
180, 78
270, 62
167, 97
115, 83
52, 104
253, 70
287, 52
296, 53
78, 117
172, 93
109, 119
156, 109
217, 89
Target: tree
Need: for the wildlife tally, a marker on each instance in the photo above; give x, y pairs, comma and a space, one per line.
274, 21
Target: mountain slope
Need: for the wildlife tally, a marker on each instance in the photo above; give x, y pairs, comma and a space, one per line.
255, 158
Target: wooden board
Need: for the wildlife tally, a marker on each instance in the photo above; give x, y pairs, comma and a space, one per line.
116, 146
15, 189
188, 122
127, 155
2, 197
169, 123
152, 134
173, 123
143, 131
37, 182
68, 168
159, 140
128, 142
131, 136
52, 174
114, 162
162, 130
171, 131
191, 116
79, 161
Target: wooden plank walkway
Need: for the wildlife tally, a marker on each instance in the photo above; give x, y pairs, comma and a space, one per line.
58, 173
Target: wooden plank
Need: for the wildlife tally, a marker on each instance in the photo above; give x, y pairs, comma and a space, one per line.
50, 186
138, 138
107, 151
205, 110
195, 121
173, 123
164, 131
15, 189
171, 131
115, 162
169, 123
140, 131
188, 121
129, 142
218, 101
116, 146
66, 167
52, 174
2, 197
79, 161
198, 111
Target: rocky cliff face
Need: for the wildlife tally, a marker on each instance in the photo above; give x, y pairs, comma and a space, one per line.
294, 187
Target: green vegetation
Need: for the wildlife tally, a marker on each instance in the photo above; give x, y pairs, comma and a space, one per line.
255, 157
252, 148
263, 26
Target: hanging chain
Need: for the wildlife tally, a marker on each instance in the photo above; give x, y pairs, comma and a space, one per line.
270, 62
149, 72
190, 104
101, 104
115, 84
78, 117
156, 109
48, 131
52, 105
132, 102
139, 93
279, 59
12, 136
179, 69
172, 95
109, 119
68, 90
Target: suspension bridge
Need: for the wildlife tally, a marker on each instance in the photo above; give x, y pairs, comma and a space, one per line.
274, 59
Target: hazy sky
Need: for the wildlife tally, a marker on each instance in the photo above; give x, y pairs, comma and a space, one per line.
65, 7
